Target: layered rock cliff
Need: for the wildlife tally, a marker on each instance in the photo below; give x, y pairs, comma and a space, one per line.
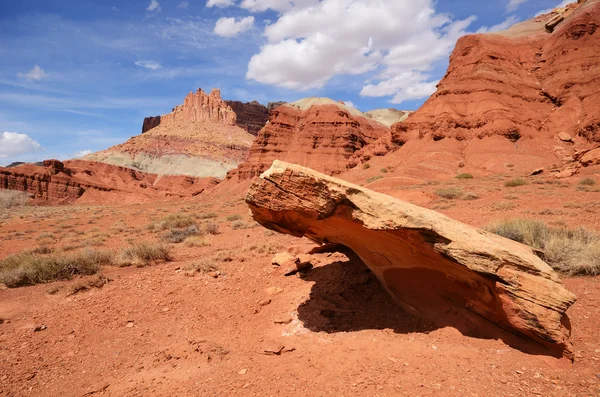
56, 182
315, 132
251, 116
199, 138
506, 97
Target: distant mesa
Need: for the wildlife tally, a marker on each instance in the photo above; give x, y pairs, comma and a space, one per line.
199, 138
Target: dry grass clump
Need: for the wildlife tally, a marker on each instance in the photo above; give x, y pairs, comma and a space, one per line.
197, 241
176, 221
516, 182
205, 265
179, 235
29, 268
240, 225
449, 193
587, 182
212, 228
207, 215
570, 251
464, 176
374, 178
144, 253
13, 198
234, 217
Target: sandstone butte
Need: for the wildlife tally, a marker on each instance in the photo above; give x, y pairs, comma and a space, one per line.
433, 266
504, 99
199, 138
251, 116
91, 182
315, 132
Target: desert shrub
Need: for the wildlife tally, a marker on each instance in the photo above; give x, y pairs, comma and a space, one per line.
503, 206
587, 182
197, 241
240, 225
176, 221
515, 182
235, 217
179, 235
464, 176
449, 193
374, 178
208, 215
211, 228
470, 196
205, 265
366, 166
30, 268
384, 170
13, 198
143, 253
570, 251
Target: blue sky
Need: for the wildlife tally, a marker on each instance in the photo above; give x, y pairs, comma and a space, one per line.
81, 76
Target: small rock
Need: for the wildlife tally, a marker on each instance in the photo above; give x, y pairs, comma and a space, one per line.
243, 371
461, 164
598, 376
274, 290
273, 348
281, 258
537, 171
595, 351
1, 321
303, 263
519, 372
129, 324
563, 136
214, 274
4, 377
165, 309
284, 320
264, 301
434, 347
40, 328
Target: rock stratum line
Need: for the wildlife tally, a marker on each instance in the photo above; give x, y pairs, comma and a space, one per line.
434, 267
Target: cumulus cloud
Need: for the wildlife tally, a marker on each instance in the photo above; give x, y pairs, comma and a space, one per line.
152, 65
183, 4
313, 41
154, 6
36, 73
507, 23
13, 144
220, 3
229, 27
514, 4
349, 104
81, 153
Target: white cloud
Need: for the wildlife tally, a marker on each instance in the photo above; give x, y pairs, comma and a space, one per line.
229, 27
82, 153
313, 41
349, 104
152, 65
183, 4
507, 23
154, 6
562, 4
220, 3
13, 144
36, 73
514, 4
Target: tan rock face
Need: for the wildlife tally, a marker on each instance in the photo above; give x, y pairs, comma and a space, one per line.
251, 116
198, 106
316, 132
434, 267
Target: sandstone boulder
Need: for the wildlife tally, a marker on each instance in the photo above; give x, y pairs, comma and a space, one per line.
433, 266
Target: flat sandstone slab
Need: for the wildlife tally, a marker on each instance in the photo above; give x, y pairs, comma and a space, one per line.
433, 266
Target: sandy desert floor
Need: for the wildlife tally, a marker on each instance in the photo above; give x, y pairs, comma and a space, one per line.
166, 330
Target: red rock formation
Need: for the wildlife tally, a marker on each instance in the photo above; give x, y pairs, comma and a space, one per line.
318, 133
77, 181
507, 96
150, 122
199, 139
251, 116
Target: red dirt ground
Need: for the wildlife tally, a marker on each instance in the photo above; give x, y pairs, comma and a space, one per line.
162, 331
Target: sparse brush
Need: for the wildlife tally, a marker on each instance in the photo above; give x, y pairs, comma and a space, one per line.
235, 217
374, 178
516, 182
13, 198
143, 253
208, 215
197, 241
97, 281
470, 196
176, 221
240, 225
464, 176
204, 265
570, 251
212, 228
587, 182
449, 193
178, 235
29, 268
366, 166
